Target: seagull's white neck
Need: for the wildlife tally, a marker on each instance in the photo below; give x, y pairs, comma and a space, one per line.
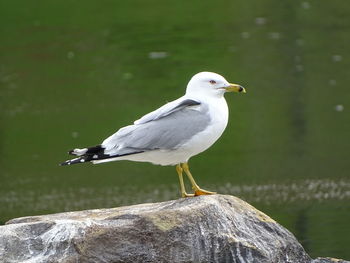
217, 105
212, 102
205, 95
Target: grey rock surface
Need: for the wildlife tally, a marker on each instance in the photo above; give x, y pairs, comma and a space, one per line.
214, 228
329, 260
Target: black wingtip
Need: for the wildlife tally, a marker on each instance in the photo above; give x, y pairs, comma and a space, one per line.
82, 159
64, 163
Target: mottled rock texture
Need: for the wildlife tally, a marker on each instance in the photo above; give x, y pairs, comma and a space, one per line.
213, 228
329, 260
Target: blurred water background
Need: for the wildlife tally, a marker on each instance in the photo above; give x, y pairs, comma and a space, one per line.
72, 73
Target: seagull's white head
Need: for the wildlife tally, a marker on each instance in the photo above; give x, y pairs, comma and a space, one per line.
211, 84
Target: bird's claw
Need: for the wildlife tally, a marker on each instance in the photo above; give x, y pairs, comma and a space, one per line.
203, 192
197, 192
187, 195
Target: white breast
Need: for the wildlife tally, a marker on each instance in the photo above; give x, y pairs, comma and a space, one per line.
218, 111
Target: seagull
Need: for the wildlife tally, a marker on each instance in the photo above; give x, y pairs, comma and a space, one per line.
171, 134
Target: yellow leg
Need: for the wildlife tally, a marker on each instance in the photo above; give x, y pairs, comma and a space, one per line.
196, 188
179, 171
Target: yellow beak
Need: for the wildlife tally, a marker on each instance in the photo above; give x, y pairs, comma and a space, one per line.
235, 88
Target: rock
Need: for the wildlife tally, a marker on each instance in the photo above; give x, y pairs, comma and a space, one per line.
214, 228
329, 260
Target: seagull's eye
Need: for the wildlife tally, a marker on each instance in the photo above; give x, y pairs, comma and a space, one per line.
212, 82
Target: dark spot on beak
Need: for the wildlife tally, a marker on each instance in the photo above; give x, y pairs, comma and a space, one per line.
240, 89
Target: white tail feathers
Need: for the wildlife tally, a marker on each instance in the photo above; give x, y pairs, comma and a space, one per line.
79, 152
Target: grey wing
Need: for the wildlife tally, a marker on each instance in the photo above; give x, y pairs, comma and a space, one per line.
167, 109
166, 132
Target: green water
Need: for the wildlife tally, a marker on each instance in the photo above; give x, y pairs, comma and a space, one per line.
72, 73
